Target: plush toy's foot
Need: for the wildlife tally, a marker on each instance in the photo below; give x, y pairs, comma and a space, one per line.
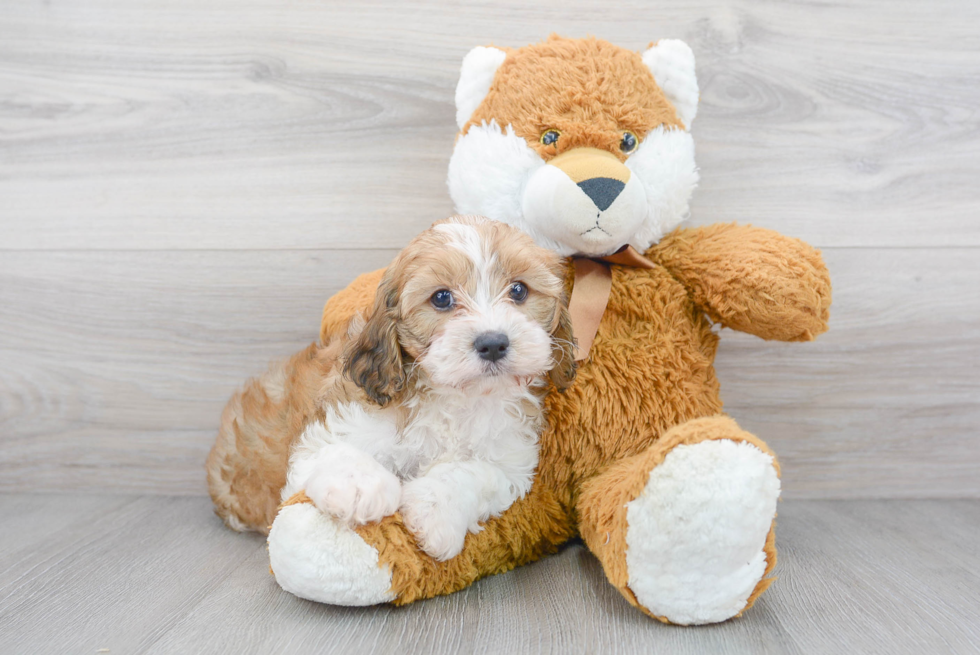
317, 557
696, 533
685, 530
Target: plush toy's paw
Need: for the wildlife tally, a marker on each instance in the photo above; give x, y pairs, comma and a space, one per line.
696, 533
320, 558
437, 524
354, 488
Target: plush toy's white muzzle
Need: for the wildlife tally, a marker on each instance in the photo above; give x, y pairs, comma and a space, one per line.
570, 204
586, 199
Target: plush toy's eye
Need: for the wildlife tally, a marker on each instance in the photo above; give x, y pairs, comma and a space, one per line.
442, 299
518, 292
628, 144
550, 137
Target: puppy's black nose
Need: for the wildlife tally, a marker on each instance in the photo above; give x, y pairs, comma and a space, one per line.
491, 346
602, 190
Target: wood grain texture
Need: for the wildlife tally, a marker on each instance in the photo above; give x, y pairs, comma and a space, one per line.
183, 184
255, 124
161, 575
117, 365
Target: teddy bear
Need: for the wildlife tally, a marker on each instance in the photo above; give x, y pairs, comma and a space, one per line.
586, 146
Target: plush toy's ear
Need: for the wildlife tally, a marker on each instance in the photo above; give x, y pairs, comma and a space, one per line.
672, 63
475, 78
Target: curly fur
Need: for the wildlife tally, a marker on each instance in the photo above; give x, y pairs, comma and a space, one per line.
649, 384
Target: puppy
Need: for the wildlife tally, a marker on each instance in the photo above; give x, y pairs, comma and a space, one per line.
435, 407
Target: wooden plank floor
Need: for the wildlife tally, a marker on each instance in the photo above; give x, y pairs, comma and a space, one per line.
157, 574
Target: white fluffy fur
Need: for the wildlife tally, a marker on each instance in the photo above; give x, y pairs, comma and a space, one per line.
475, 77
696, 532
496, 173
318, 557
488, 171
672, 63
463, 458
469, 447
664, 163
560, 211
348, 482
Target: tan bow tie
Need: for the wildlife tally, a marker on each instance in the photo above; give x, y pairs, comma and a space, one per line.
590, 293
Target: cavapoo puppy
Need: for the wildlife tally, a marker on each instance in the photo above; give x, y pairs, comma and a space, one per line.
433, 405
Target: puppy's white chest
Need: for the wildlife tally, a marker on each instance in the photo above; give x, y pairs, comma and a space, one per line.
472, 429
410, 440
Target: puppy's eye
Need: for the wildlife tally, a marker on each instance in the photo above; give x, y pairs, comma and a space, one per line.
518, 292
442, 299
628, 144
550, 137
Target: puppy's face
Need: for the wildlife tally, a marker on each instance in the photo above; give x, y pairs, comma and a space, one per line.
473, 303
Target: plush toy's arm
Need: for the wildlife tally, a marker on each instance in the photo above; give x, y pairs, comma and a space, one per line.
357, 298
751, 279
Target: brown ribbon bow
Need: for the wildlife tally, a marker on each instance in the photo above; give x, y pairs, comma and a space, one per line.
590, 293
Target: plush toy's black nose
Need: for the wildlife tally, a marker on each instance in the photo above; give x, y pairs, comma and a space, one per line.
602, 190
491, 346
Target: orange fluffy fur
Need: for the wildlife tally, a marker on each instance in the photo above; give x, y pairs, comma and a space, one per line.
648, 384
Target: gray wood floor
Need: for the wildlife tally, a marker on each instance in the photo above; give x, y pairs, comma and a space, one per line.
156, 574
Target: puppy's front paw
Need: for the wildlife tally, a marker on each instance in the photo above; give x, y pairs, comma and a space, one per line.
428, 512
354, 488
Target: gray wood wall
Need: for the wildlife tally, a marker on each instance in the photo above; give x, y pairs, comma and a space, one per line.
183, 183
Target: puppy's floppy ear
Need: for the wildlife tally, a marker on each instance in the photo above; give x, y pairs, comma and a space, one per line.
374, 360
563, 348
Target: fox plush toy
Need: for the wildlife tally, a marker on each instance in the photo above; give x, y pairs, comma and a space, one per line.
587, 147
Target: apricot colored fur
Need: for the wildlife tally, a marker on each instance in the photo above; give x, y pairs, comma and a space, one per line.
247, 465
648, 384
577, 87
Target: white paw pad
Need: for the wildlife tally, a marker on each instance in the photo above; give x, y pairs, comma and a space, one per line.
438, 526
695, 534
320, 558
355, 488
